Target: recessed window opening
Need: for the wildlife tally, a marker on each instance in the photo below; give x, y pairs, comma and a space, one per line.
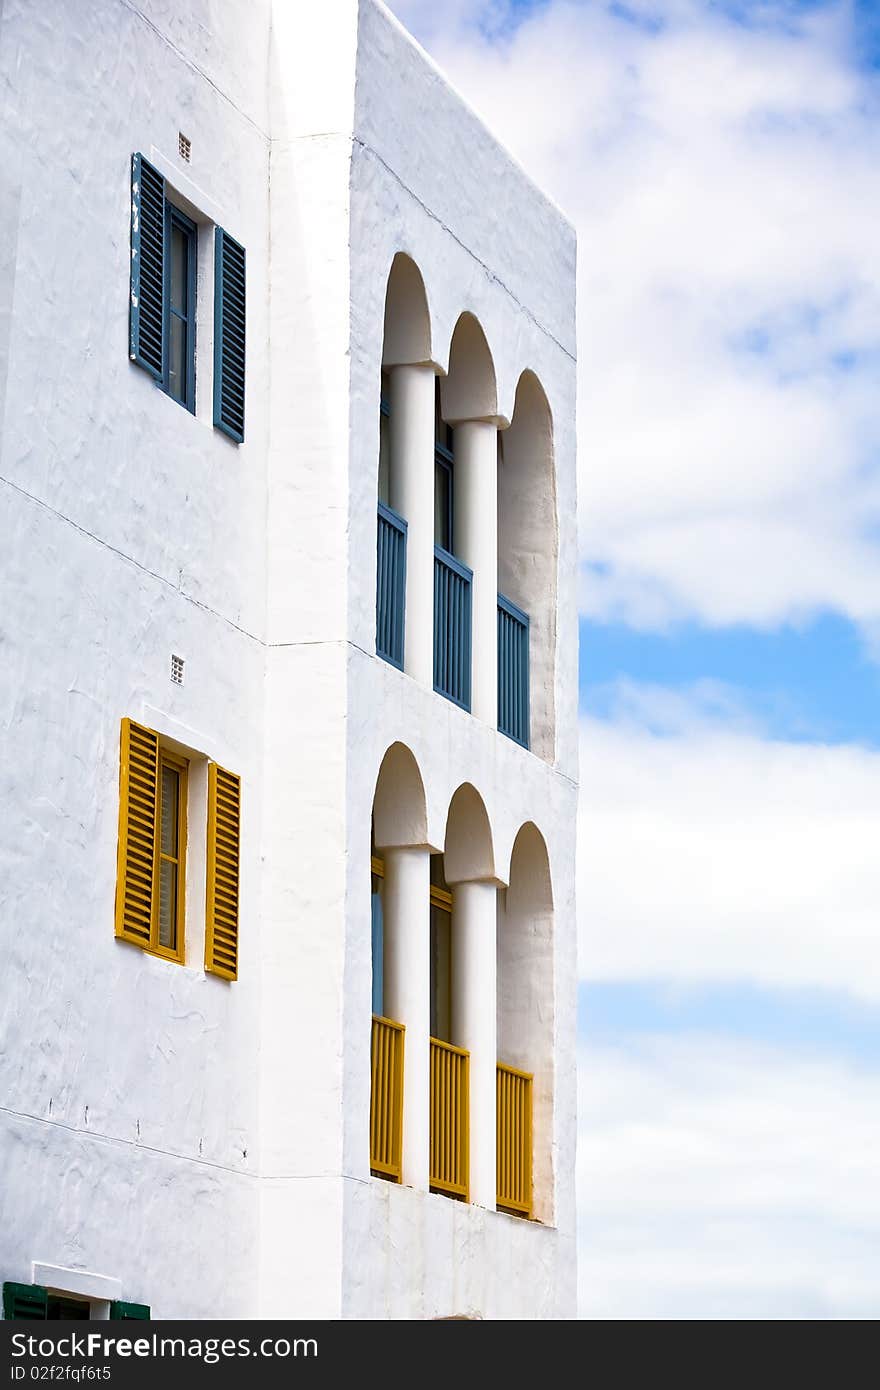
444, 459
385, 441
172, 850
184, 146
441, 952
180, 300
377, 918
177, 666
60, 1308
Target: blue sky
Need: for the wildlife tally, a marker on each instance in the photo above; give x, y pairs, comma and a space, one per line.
721, 162
816, 1022
809, 683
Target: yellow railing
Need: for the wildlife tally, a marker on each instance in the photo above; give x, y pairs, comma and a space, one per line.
386, 1098
449, 1119
514, 1140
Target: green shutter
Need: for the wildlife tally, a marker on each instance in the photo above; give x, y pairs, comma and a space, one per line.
129, 1312
229, 335
24, 1302
147, 307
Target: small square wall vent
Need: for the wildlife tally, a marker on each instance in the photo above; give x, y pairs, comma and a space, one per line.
177, 669
184, 146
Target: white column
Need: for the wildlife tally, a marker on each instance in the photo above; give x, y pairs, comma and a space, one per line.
407, 980
412, 495
476, 543
473, 1023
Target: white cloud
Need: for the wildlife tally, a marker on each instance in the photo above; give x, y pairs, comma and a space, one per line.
725, 181
708, 852
719, 1180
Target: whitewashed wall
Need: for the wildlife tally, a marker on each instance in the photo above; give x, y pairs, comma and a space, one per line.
207, 1144
129, 1124
428, 179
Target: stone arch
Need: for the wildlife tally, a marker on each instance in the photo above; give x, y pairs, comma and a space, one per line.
400, 817
528, 546
525, 1016
407, 336
468, 852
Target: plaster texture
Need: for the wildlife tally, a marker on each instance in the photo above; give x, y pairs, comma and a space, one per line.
205, 1145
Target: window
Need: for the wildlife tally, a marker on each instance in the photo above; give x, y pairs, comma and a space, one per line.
61, 1309
172, 854
151, 877
180, 307
33, 1302
443, 478
441, 952
162, 318
385, 441
377, 947
441, 944
386, 1049
391, 531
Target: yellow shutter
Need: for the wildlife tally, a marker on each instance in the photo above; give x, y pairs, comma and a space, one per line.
138, 819
224, 834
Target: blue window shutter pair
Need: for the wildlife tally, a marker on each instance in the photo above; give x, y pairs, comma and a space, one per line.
147, 308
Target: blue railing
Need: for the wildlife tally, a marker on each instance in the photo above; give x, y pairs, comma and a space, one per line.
452, 628
390, 585
513, 671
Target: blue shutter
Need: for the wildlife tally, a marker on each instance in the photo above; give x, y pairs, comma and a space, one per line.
513, 671
229, 335
390, 585
146, 313
24, 1302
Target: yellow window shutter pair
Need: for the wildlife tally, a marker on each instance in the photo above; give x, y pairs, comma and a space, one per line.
137, 887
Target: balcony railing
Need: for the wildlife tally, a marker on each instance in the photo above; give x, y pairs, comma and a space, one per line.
513, 671
514, 1141
449, 1119
452, 628
390, 585
386, 1098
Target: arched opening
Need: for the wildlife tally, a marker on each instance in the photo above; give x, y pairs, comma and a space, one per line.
465, 582
399, 822
407, 336
525, 1026
528, 547
467, 857
469, 390
462, 986
468, 851
406, 402
400, 815
398, 879
406, 342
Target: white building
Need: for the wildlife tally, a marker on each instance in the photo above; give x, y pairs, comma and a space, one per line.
223, 714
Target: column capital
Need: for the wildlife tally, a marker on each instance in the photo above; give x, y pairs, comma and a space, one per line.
428, 364
421, 846
500, 422
488, 878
